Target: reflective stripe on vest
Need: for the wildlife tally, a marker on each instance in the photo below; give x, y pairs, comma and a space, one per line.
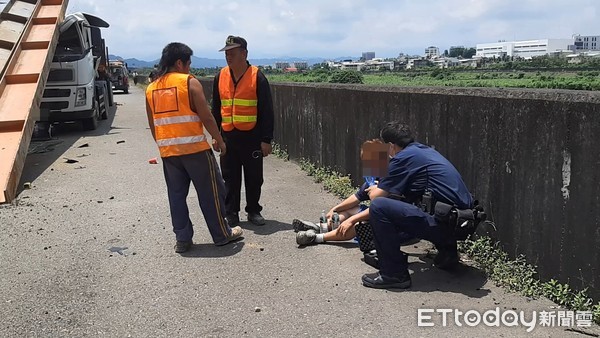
180, 140
177, 128
239, 104
176, 119
242, 118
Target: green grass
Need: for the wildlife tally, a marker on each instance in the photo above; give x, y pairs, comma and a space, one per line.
449, 78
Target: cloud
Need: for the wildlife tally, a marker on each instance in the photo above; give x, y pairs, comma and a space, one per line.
141, 28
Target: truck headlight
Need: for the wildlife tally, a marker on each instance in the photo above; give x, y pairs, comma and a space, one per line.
80, 97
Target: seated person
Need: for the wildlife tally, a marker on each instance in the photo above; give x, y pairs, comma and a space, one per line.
374, 158
310, 233
344, 229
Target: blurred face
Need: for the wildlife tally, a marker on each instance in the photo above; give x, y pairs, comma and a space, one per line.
236, 56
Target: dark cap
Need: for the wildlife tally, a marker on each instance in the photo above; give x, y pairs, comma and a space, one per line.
234, 42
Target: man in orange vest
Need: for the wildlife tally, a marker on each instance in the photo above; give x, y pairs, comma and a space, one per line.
242, 105
177, 114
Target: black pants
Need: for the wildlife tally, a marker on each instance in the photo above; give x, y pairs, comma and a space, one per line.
243, 155
391, 219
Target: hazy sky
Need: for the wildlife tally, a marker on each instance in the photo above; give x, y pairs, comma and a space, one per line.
322, 28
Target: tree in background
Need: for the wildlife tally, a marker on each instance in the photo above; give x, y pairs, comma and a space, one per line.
346, 76
460, 51
469, 53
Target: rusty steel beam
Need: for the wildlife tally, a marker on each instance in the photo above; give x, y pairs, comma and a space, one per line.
28, 37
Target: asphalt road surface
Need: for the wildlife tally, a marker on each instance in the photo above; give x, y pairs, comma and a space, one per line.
88, 251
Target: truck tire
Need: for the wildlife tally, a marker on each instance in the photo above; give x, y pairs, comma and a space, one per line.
104, 114
91, 123
101, 93
109, 92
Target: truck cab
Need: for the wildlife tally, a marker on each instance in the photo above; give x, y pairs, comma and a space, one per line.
74, 91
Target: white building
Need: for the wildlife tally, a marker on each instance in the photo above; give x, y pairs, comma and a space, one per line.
524, 49
432, 52
590, 42
447, 62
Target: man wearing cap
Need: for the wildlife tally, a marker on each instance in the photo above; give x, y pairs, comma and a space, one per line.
243, 107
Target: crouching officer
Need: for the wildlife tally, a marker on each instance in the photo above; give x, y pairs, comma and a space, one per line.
414, 169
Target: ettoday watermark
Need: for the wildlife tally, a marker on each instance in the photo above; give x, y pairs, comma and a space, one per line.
508, 318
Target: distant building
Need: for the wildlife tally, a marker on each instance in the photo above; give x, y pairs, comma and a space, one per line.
447, 62
300, 65
590, 42
282, 65
352, 65
367, 56
417, 63
432, 52
525, 49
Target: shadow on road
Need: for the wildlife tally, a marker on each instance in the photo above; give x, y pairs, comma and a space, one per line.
271, 227
65, 135
206, 250
463, 279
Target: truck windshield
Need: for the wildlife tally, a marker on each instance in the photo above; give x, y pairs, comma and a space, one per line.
69, 46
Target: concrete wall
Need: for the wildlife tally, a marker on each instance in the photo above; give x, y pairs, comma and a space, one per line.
531, 156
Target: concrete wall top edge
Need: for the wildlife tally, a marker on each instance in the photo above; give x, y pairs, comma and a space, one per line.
508, 93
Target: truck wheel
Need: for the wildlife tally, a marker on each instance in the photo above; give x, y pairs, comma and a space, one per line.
109, 92
103, 101
105, 107
91, 123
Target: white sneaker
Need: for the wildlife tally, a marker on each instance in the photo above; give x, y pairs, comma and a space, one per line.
306, 237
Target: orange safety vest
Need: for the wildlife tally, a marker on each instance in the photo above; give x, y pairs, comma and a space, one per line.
177, 127
239, 104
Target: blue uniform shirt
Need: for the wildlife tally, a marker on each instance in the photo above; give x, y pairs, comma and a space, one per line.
361, 194
418, 167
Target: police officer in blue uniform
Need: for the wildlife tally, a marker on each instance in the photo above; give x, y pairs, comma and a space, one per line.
414, 169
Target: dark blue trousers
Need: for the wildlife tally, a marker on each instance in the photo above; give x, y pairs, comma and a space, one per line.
389, 219
201, 169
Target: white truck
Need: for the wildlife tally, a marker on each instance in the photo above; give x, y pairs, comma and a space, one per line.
74, 89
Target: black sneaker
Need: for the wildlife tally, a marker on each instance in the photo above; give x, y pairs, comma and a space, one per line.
232, 220
183, 246
378, 281
300, 225
256, 218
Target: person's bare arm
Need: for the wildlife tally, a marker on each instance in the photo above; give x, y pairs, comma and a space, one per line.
350, 223
150, 120
346, 204
200, 106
